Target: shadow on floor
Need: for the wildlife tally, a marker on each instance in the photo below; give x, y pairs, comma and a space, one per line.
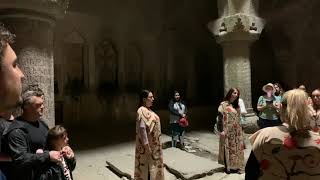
86, 138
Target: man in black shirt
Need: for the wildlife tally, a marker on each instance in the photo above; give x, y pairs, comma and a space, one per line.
26, 136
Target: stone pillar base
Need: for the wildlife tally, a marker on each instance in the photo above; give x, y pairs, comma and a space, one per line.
250, 126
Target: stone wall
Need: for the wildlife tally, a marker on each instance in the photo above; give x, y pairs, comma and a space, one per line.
292, 37
162, 46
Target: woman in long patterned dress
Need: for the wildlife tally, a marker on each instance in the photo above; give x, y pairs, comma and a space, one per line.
148, 155
231, 146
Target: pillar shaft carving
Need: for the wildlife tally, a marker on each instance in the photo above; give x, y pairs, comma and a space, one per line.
33, 23
237, 27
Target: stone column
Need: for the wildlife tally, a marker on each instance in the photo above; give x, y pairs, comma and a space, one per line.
236, 29
33, 24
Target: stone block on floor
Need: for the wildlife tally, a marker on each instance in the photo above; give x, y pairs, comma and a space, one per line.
188, 166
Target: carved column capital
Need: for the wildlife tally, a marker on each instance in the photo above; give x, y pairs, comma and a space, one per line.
237, 27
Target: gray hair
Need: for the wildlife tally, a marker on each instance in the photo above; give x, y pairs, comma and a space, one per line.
28, 94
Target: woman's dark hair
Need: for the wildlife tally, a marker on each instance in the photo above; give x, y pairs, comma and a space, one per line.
144, 94
174, 94
280, 89
235, 103
238, 92
278, 84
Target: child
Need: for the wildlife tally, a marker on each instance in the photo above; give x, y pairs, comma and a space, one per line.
57, 139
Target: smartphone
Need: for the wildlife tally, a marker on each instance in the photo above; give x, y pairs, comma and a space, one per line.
268, 102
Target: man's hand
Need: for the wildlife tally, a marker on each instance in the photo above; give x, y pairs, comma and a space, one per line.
68, 152
55, 156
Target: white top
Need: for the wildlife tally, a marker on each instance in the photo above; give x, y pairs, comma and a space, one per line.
242, 107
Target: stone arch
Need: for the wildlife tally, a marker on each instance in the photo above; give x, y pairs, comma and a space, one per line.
107, 66
71, 76
76, 61
76, 37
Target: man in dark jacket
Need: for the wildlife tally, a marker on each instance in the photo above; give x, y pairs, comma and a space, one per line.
10, 75
26, 136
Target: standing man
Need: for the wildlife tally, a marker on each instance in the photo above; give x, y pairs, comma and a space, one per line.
10, 77
27, 137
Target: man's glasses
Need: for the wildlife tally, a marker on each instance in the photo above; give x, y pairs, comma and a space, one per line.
313, 96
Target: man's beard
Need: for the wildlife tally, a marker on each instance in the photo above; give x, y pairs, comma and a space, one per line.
277, 93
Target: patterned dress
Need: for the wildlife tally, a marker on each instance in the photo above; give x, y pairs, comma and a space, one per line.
231, 145
146, 166
282, 156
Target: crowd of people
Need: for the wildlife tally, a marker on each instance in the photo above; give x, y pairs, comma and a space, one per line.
287, 144
288, 141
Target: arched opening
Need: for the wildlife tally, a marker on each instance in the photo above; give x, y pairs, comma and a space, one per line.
71, 77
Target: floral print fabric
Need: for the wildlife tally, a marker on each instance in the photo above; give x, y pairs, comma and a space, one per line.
231, 145
148, 166
282, 156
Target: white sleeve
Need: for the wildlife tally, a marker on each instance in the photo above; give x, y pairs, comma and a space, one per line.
143, 132
242, 107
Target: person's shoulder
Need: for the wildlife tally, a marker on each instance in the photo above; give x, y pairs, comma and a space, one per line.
142, 109
15, 133
314, 139
2, 122
2, 119
171, 103
274, 134
41, 121
184, 102
16, 125
224, 103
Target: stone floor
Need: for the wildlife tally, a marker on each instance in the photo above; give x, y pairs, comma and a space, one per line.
199, 161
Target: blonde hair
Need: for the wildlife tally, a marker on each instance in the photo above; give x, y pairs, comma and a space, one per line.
295, 110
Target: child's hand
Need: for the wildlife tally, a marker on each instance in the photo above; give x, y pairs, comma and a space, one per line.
39, 151
67, 152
